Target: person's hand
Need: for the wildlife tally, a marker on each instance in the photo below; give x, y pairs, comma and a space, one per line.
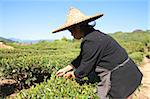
69, 75
61, 72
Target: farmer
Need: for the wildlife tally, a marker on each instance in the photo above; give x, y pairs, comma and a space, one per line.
101, 54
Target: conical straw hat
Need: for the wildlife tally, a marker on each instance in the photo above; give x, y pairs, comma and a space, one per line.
75, 17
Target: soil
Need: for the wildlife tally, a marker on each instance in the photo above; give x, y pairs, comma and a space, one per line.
7, 87
3, 46
144, 91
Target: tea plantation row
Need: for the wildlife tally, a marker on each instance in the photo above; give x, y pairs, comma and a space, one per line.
35, 63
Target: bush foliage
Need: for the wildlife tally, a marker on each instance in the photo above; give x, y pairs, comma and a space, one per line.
35, 63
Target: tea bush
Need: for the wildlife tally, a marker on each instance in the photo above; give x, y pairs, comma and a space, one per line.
34, 63
58, 88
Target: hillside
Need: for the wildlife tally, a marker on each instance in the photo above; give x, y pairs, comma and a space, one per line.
37, 63
5, 40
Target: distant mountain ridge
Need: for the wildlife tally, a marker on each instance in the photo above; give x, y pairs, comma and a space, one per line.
29, 41
9, 40
5, 40
2, 39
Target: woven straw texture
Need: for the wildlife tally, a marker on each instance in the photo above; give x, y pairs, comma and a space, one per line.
74, 17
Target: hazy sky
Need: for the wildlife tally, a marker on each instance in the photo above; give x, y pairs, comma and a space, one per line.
35, 19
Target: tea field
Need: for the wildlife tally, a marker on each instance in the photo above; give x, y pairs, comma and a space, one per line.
34, 66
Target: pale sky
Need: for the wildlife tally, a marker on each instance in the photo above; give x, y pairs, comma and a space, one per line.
35, 19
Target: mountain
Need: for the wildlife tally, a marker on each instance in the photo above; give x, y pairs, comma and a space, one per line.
29, 41
5, 40
15, 39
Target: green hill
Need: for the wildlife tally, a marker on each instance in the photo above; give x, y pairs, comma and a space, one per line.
5, 40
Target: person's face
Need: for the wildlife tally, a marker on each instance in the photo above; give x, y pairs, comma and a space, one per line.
76, 32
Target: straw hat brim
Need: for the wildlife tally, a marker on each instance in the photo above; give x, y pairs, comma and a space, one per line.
67, 25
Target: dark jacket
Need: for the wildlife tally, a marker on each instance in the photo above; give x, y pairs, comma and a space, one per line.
101, 50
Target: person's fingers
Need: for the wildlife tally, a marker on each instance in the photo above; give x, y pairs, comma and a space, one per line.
59, 75
58, 72
65, 75
68, 75
61, 71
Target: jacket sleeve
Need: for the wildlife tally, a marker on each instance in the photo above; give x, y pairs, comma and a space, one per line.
90, 50
76, 62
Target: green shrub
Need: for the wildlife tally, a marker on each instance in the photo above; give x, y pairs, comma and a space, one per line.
58, 88
27, 63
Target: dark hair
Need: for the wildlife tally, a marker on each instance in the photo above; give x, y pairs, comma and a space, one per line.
84, 27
